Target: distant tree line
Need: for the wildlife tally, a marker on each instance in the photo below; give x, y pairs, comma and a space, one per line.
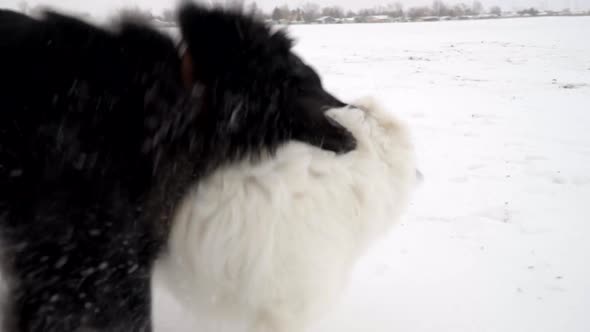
311, 12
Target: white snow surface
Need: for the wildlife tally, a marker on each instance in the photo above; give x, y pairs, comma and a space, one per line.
498, 235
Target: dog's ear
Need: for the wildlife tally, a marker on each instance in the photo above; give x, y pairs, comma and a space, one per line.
209, 37
216, 39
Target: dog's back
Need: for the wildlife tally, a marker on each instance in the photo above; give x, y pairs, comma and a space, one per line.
72, 170
70, 89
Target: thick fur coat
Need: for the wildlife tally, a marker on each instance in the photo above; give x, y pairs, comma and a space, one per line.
269, 244
102, 133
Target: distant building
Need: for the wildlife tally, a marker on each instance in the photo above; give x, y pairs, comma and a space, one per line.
378, 19
485, 16
398, 19
509, 14
327, 20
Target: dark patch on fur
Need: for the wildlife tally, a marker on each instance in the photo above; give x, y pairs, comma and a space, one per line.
99, 140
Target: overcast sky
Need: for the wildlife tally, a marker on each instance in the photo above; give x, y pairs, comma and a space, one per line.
105, 7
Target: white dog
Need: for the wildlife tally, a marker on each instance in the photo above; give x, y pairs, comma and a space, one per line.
271, 243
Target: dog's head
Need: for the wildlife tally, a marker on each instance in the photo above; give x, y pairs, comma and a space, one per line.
256, 92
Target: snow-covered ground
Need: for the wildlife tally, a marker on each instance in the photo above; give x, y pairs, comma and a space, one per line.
498, 236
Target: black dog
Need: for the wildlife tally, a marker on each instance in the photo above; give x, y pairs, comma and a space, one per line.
102, 132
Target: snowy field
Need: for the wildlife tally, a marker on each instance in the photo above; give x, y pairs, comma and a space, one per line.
498, 237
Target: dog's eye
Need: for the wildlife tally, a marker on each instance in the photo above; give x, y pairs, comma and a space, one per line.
299, 89
303, 88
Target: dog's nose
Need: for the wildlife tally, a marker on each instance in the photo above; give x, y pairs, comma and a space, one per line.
352, 107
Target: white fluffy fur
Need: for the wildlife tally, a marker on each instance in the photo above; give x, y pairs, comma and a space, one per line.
271, 243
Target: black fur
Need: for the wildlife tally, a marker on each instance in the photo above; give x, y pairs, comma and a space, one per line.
99, 140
